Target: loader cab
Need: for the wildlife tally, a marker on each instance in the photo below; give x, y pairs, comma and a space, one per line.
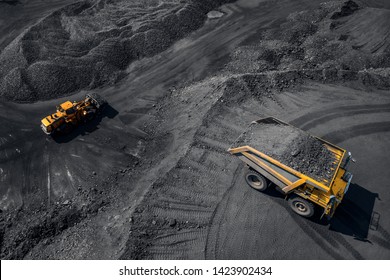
50, 123
66, 108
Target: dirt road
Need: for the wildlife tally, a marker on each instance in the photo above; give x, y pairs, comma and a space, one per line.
153, 172
267, 232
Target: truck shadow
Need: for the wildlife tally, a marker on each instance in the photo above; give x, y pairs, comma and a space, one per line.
354, 217
88, 127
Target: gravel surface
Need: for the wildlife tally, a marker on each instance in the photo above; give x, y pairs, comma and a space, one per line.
152, 178
337, 42
89, 44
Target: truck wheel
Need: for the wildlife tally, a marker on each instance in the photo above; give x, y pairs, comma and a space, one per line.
256, 180
301, 206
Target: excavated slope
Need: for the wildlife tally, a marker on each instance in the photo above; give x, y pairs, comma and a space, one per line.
90, 44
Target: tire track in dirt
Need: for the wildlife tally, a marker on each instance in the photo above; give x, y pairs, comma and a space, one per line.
320, 242
384, 239
235, 220
243, 245
318, 117
203, 177
357, 130
327, 240
212, 244
328, 244
185, 198
346, 133
331, 117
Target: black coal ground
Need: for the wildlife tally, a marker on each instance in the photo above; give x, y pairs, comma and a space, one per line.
292, 147
201, 208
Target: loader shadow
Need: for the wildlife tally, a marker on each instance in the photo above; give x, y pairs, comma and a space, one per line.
88, 127
354, 216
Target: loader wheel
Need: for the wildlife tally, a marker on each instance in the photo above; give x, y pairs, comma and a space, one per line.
66, 128
90, 113
301, 206
90, 116
256, 180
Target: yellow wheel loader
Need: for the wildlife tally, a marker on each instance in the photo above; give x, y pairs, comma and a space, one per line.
305, 191
71, 114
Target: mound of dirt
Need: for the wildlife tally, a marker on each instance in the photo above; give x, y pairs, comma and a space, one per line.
347, 9
90, 44
378, 78
367, 30
317, 45
27, 228
292, 147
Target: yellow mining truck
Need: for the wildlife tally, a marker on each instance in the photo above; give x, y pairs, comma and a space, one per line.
305, 192
71, 114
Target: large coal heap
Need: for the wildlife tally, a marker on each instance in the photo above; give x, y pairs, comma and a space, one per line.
89, 44
292, 147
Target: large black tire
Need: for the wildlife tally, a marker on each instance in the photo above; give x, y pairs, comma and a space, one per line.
301, 206
256, 180
90, 116
91, 113
65, 128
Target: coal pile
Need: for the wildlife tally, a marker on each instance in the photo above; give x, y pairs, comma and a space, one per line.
90, 44
337, 42
379, 78
19, 235
292, 147
347, 9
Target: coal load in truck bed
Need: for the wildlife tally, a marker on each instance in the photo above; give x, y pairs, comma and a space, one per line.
292, 147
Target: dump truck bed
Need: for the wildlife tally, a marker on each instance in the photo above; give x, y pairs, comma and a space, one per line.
293, 148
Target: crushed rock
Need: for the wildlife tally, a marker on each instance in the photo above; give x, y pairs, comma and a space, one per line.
89, 44
292, 147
